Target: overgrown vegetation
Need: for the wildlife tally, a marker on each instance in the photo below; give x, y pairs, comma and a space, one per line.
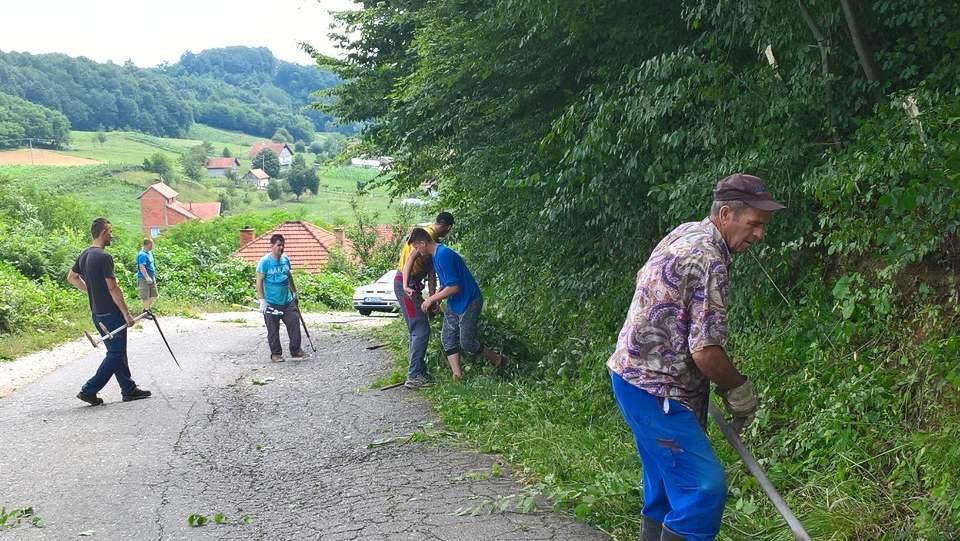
569, 137
41, 234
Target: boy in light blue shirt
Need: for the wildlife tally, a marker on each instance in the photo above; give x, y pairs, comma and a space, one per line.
276, 290
146, 275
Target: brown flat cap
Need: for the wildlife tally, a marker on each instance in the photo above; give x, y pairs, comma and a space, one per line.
746, 188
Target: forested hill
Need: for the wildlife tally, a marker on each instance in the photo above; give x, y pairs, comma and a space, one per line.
237, 88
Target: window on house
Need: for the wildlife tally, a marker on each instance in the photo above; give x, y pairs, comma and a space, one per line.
154, 232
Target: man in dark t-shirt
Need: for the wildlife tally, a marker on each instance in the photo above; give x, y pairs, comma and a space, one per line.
93, 273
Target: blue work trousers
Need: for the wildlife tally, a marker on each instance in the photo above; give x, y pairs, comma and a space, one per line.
115, 362
418, 326
684, 485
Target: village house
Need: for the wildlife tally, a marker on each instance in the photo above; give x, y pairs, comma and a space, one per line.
159, 209
282, 150
257, 178
218, 167
307, 245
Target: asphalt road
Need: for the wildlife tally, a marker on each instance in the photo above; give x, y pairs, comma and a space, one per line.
286, 445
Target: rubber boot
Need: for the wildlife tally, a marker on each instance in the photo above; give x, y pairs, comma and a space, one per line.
670, 535
649, 529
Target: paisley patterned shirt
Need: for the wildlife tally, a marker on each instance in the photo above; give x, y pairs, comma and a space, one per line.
678, 308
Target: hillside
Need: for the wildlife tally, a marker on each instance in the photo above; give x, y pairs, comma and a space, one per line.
236, 88
112, 186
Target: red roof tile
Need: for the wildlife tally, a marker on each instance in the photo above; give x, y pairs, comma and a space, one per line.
222, 163
277, 148
205, 210
164, 190
258, 174
307, 245
384, 232
178, 207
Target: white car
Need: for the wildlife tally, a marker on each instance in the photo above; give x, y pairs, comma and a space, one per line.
377, 297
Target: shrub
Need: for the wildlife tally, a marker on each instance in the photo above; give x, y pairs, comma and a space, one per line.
333, 290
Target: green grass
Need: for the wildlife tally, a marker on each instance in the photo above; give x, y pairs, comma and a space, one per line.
871, 456
112, 188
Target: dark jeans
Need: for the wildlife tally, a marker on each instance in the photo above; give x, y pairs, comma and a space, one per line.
417, 325
291, 320
115, 363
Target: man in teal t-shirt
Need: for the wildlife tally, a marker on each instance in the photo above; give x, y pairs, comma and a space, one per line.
276, 290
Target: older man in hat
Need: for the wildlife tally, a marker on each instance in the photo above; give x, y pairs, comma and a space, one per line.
671, 348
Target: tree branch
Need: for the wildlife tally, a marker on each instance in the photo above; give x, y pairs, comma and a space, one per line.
863, 52
824, 46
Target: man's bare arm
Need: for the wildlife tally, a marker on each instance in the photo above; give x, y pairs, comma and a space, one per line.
76, 281
259, 285
717, 367
117, 295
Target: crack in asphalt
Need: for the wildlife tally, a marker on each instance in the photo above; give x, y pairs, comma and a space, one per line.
170, 466
291, 453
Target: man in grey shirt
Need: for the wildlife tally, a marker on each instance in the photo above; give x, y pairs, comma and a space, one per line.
93, 274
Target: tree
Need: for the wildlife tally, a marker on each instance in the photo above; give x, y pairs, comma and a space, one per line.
226, 153
302, 178
160, 164
282, 136
300, 146
275, 189
316, 147
268, 161
194, 161
101, 136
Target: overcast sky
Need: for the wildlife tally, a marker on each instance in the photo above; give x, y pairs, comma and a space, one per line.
151, 32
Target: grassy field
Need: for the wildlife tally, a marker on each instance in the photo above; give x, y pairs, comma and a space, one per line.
113, 186
130, 148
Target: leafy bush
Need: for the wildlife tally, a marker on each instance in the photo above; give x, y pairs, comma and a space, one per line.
333, 290
29, 304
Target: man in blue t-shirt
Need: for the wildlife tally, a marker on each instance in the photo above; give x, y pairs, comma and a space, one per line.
146, 275
464, 302
277, 292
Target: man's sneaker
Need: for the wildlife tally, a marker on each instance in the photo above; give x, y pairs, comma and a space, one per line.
417, 382
93, 400
136, 394
299, 354
276, 358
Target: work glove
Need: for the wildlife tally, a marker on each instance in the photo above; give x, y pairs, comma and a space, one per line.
263, 306
741, 403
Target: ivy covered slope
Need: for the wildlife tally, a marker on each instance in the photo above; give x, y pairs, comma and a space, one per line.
570, 136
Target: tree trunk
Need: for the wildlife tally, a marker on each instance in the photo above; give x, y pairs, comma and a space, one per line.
863, 52
824, 46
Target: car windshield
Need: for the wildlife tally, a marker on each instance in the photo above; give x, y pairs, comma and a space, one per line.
388, 277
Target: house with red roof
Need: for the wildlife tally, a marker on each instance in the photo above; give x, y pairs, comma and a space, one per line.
282, 150
307, 245
257, 178
159, 209
218, 167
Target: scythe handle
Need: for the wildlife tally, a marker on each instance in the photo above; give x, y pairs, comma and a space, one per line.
775, 498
